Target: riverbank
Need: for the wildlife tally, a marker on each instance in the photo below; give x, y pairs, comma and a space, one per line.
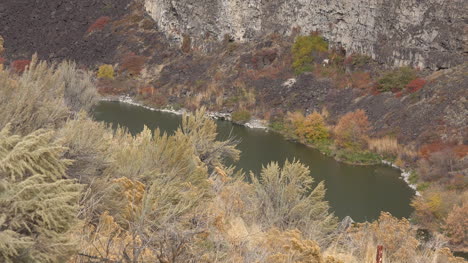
358, 191
252, 124
326, 149
405, 174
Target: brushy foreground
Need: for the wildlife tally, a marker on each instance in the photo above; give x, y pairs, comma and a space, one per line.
74, 190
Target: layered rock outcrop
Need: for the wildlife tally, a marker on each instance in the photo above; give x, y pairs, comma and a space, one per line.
421, 33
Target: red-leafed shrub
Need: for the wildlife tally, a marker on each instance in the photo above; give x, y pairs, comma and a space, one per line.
415, 85
132, 64
461, 150
99, 24
146, 91
361, 80
426, 150
19, 66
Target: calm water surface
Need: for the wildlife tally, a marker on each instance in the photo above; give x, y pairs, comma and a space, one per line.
361, 192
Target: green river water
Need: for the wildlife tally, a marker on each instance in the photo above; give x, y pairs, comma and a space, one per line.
361, 192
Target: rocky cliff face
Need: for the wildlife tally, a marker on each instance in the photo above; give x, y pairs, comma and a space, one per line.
421, 33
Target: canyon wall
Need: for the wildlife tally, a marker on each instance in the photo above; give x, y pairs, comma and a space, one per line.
422, 33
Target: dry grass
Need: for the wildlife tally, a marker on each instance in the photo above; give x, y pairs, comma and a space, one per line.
385, 146
389, 146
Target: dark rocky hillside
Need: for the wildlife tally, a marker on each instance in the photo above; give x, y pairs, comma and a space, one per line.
223, 74
56, 29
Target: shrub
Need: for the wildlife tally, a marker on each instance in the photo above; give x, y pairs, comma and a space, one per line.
441, 164
416, 85
38, 206
289, 199
426, 150
241, 116
361, 80
351, 130
295, 121
43, 96
357, 60
1, 45
456, 225
106, 71
357, 156
32, 100
396, 80
311, 128
186, 44
88, 144
19, 66
79, 87
303, 50
434, 205
428, 207
146, 90
290, 246
133, 64
99, 24
396, 235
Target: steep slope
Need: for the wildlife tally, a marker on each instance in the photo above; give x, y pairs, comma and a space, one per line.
432, 34
250, 67
57, 29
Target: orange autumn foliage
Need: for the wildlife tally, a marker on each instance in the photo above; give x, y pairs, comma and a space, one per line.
456, 225
352, 130
313, 128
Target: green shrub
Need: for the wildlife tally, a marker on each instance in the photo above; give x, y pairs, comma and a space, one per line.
413, 178
358, 60
303, 50
277, 126
423, 186
358, 157
396, 80
106, 72
241, 116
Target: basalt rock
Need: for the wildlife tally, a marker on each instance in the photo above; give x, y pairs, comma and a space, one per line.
420, 33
